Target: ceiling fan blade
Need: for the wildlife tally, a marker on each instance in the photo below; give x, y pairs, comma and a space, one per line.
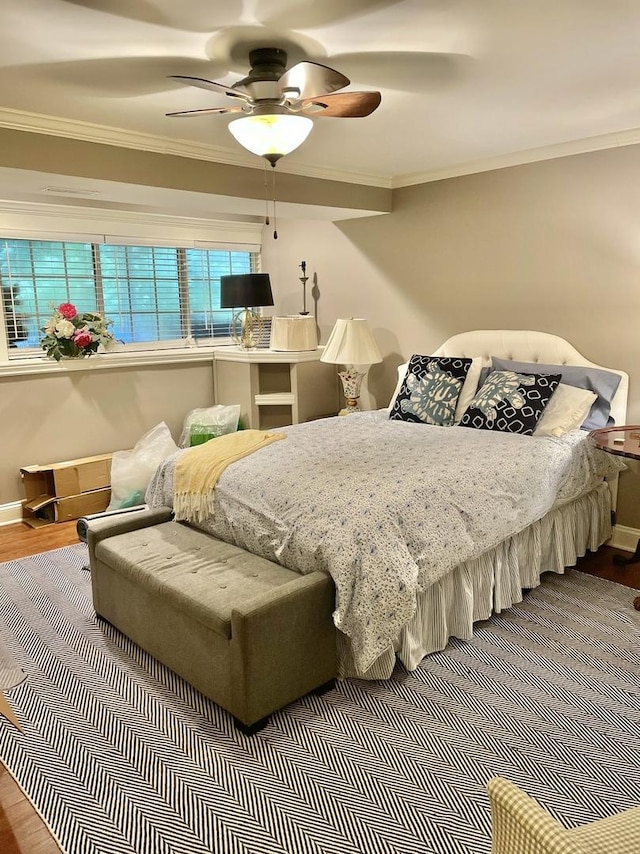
344, 105
211, 111
311, 79
210, 86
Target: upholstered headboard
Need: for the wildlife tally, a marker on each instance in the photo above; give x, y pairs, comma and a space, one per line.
528, 346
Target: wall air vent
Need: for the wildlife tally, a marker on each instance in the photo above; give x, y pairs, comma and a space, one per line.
70, 191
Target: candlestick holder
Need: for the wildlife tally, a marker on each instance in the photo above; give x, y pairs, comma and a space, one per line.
304, 279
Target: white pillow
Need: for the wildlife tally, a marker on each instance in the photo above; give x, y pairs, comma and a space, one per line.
402, 370
467, 392
470, 387
567, 410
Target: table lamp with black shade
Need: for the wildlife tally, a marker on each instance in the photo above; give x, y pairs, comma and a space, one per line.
245, 292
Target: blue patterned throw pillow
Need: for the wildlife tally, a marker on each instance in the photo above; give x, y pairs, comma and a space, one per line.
430, 390
510, 402
604, 383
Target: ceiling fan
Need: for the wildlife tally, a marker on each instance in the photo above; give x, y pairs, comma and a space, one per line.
278, 103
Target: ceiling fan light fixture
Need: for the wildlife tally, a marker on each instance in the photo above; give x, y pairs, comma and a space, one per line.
271, 135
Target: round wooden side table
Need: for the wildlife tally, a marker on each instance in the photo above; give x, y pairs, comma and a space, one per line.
622, 441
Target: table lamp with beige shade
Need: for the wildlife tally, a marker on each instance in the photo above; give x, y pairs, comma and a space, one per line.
352, 344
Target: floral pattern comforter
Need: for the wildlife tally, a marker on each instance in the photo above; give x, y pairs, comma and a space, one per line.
388, 507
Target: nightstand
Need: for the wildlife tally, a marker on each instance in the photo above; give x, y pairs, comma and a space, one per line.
623, 441
275, 389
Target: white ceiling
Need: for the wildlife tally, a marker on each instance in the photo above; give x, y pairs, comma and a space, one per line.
466, 84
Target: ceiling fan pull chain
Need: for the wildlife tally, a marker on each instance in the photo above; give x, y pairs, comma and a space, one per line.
266, 195
275, 227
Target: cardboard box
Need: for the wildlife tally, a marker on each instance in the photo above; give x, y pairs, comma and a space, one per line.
58, 492
73, 477
45, 510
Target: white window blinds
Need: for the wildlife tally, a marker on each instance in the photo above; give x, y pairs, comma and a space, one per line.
154, 295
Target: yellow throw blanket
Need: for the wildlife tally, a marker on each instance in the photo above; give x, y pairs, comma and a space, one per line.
198, 470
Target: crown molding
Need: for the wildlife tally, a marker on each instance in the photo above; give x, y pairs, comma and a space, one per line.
520, 158
87, 132
102, 134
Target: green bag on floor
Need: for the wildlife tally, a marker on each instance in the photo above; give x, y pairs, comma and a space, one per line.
200, 425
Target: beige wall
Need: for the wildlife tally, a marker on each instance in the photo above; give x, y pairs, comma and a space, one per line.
553, 246
94, 160
48, 418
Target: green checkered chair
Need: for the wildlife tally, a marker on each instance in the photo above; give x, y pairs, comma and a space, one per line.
521, 826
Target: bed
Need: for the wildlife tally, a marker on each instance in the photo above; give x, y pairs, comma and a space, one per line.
424, 529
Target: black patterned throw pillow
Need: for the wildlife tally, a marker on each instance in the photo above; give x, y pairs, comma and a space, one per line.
430, 390
510, 402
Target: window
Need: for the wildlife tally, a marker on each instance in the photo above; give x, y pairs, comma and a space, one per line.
153, 294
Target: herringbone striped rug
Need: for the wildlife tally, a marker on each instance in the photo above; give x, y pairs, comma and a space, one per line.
121, 756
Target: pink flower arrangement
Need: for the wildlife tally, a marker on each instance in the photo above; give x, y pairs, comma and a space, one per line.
82, 339
71, 334
67, 310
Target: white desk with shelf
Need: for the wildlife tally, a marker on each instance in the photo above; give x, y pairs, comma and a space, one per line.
275, 388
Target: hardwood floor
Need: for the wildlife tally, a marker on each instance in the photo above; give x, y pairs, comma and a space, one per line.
21, 829
20, 540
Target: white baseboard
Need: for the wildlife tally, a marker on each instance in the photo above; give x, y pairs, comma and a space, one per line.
624, 538
10, 513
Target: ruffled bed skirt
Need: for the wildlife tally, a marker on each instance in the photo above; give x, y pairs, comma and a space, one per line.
492, 582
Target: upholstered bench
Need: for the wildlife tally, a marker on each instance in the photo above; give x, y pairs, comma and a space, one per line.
248, 633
